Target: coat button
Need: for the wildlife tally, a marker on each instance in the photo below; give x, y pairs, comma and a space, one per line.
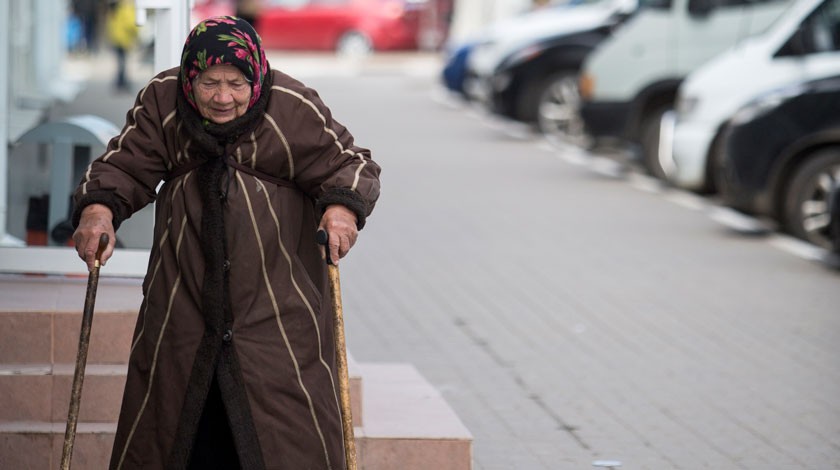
226, 265
228, 336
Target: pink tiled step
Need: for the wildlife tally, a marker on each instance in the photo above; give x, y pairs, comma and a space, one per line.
36, 446
53, 337
408, 424
42, 393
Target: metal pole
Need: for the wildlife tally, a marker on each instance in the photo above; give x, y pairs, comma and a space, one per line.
5, 78
172, 24
81, 358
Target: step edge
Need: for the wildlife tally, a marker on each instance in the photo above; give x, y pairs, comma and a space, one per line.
422, 392
62, 369
43, 427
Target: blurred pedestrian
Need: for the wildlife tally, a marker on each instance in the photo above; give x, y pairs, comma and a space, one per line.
122, 30
232, 364
89, 13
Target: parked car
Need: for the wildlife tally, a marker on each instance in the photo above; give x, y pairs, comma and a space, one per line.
346, 26
798, 48
506, 38
632, 78
537, 83
781, 159
203, 9
454, 72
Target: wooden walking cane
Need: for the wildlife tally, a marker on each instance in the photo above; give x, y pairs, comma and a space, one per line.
81, 358
340, 357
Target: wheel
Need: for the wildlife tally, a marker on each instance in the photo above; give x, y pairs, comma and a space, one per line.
557, 112
715, 167
650, 133
354, 44
807, 201
834, 229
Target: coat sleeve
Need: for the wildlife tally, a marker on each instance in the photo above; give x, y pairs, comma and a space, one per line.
328, 165
126, 176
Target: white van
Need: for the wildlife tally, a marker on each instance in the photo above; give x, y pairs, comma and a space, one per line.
803, 45
632, 78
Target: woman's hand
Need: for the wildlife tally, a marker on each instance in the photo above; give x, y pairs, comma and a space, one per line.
96, 219
340, 224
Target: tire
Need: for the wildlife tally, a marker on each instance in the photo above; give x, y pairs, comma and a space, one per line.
650, 131
557, 109
834, 230
807, 200
715, 167
354, 44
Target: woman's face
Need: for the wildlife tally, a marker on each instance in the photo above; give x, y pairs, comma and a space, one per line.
221, 93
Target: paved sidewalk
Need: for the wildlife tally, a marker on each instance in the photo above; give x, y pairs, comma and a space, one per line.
554, 358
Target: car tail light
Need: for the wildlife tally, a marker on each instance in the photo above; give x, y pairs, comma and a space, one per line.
586, 86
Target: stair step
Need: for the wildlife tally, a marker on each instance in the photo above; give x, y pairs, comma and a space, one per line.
39, 445
408, 424
22, 293
53, 337
42, 393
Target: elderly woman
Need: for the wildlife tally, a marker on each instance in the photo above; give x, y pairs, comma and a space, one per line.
232, 360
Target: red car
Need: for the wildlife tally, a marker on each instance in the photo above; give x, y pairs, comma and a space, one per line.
347, 26
203, 9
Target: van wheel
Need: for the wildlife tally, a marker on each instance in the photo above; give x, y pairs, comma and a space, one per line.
807, 203
650, 143
354, 44
558, 106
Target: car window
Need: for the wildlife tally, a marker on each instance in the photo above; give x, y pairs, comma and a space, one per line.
707, 6
824, 27
820, 32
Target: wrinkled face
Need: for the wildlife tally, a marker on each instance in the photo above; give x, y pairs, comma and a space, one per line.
221, 93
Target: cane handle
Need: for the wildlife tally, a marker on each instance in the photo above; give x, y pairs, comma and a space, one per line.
323, 238
103, 244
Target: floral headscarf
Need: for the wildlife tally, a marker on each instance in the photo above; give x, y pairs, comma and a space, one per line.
223, 40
